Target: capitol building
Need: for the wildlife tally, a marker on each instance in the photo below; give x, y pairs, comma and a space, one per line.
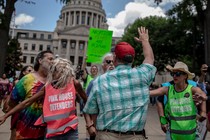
70, 37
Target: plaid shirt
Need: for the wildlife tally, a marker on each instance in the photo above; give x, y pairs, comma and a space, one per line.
120, 97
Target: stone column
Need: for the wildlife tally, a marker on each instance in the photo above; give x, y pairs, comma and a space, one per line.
76, 53
68, 50
59, 47
80, 17
91, 20
69, 16
85, 51
65, 19
96, 20
70, 20
86, 17
75, 18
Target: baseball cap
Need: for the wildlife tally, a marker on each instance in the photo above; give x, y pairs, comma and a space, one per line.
124, 49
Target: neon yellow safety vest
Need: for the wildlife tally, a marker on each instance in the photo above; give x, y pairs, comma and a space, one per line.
89, 78
182, 114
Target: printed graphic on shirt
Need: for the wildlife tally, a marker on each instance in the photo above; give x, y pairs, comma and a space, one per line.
180, 105
61, 101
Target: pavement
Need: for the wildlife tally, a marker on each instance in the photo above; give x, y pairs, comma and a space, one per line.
153, 130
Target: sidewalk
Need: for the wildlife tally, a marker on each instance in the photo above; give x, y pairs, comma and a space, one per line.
153, 130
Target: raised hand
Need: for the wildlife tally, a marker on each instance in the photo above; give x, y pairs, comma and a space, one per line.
143, 35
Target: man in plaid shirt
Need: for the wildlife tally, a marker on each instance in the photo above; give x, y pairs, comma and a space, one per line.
120, 97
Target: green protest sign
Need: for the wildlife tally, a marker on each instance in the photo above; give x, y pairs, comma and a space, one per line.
99, 43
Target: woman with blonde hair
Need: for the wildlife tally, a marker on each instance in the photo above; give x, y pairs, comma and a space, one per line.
59, 102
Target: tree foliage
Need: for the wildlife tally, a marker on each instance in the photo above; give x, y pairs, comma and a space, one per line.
168, 40
197, 14
189, 15
7, 7
13, 60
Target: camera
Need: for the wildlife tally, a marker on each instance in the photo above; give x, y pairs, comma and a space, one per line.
207, 70
79, 73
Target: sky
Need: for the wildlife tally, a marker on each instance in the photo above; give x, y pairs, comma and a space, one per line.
44, 13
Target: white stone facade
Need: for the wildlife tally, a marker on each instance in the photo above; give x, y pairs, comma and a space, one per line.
70, 38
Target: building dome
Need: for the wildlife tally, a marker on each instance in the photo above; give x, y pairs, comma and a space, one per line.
89, 13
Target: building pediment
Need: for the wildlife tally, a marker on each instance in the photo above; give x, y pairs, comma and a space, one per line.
79, 30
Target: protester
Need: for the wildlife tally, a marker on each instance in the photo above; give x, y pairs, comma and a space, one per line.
202, 79
180, 107
4, 88
107, 64
208, 121
59, 102
153, 99
120, 97
86, 78
162, 101
25, 70
27, 87
205, 86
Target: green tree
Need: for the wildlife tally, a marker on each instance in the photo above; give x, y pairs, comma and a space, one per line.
7, 7
13, 60
189, 20
200, 10
168, 40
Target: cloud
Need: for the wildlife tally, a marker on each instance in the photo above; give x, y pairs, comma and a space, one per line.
162, 4
23, 19
134, 10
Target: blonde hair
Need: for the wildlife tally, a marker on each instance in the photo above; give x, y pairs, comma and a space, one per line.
64, 69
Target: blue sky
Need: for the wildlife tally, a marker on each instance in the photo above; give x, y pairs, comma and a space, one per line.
44, 14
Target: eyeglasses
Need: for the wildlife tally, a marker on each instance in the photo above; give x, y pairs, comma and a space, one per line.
177, 74
109, 61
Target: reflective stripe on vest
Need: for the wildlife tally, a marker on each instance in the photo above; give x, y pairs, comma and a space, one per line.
60, 116
183, 132
52, 131
183, 118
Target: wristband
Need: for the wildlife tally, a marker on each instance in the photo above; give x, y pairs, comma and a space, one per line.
163, 120
87, 127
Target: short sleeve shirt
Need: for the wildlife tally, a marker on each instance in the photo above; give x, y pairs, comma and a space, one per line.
120, 98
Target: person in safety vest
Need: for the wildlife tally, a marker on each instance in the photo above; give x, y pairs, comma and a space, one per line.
87, 78
161, 102
181, 103
59, 102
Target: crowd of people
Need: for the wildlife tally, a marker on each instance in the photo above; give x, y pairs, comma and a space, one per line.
42, 101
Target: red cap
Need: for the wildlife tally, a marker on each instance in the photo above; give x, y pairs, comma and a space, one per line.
122, 49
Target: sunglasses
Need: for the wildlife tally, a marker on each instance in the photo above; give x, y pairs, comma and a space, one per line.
109, 61
177, 74
29, 70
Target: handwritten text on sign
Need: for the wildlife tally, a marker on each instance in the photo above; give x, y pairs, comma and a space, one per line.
99, 43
